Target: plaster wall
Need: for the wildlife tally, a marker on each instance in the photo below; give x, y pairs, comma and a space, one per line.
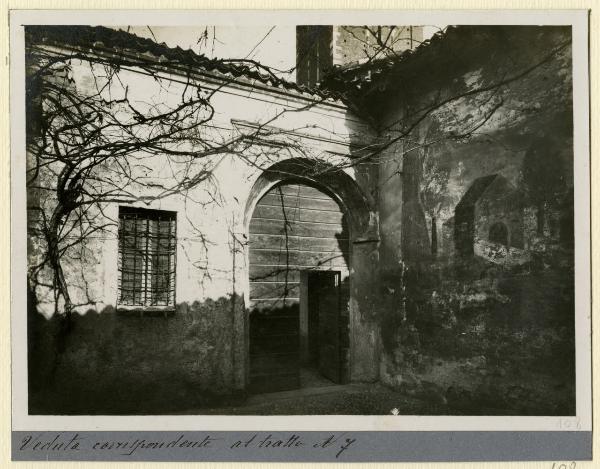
447, 322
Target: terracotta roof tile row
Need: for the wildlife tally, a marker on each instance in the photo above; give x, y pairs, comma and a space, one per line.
105, 39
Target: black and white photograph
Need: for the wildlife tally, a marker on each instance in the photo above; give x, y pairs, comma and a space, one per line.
301, 219
365, 218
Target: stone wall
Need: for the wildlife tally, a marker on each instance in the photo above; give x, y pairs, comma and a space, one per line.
482, 340
488, 330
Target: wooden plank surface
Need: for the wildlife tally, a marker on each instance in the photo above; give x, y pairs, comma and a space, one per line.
300, 190
274, 289
295, 215
274, 200
307, 229
303, 243
297, 258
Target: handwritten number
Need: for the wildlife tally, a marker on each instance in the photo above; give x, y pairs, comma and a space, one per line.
563, 465
569, 423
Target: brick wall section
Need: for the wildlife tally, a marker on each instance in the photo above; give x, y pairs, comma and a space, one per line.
354, 44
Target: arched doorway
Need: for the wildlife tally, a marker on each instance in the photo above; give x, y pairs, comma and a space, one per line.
299, 262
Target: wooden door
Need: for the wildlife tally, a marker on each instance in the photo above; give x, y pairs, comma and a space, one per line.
327, 303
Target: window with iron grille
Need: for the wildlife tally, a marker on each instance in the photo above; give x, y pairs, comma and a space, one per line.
147, 248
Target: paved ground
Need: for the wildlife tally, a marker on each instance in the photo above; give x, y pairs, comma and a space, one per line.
353, 399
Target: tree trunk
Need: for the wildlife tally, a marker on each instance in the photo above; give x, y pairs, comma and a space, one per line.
59, 281
61, 289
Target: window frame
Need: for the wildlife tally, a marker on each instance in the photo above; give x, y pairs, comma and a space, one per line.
151, 269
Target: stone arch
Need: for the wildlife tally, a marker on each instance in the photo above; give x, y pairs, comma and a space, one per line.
339, 185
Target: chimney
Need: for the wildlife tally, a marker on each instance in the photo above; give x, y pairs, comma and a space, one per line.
314, 53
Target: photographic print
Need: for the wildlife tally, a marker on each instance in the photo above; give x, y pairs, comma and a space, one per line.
300, 219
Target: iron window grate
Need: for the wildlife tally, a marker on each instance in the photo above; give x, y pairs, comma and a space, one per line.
147, 257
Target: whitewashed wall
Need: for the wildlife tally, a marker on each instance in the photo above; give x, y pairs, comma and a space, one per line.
211, 215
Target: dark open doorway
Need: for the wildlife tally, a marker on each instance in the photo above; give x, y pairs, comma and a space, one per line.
323, 329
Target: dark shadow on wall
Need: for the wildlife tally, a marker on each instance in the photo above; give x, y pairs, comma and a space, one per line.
484, 339
121, 363
416, 243
344, 240
274, 349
